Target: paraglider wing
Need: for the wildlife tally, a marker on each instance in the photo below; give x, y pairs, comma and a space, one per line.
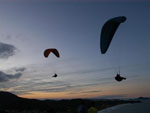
54, 51
108, 31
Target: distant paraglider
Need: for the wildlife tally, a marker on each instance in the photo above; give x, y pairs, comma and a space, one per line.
119, 78
52, 50
55, 52
108, 31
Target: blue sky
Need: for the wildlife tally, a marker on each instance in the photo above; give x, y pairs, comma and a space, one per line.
28, 28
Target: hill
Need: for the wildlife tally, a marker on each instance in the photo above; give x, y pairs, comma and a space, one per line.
10, 103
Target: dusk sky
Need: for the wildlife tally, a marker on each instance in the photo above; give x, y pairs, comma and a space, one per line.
27, 28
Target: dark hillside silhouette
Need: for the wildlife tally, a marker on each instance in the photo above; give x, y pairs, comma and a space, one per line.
10, 102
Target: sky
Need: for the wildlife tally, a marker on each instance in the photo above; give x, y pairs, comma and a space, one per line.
73, 27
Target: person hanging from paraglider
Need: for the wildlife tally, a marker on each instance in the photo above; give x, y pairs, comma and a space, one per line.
55, 75
119, 78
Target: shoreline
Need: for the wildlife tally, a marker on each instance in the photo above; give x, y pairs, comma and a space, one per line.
142, 107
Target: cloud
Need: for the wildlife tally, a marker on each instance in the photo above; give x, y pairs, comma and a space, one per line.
54, 86
88, 71
113, 96
6, 50
94, 91
20, 69
6, 77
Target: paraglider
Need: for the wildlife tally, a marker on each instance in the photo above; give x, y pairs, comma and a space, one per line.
119, 78
55, 52
55, 75
108, 31
51, 50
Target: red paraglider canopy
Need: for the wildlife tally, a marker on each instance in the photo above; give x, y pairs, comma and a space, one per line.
53, 50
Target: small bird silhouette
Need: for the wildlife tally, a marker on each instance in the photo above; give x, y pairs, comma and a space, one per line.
119, 78
55, 75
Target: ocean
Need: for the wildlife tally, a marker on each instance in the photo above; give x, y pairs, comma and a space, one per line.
143, 107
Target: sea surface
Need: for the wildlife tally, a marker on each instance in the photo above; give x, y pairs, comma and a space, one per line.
143, 107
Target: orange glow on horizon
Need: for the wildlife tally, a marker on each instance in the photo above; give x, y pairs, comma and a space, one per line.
125, 92
56, 95
67, 95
